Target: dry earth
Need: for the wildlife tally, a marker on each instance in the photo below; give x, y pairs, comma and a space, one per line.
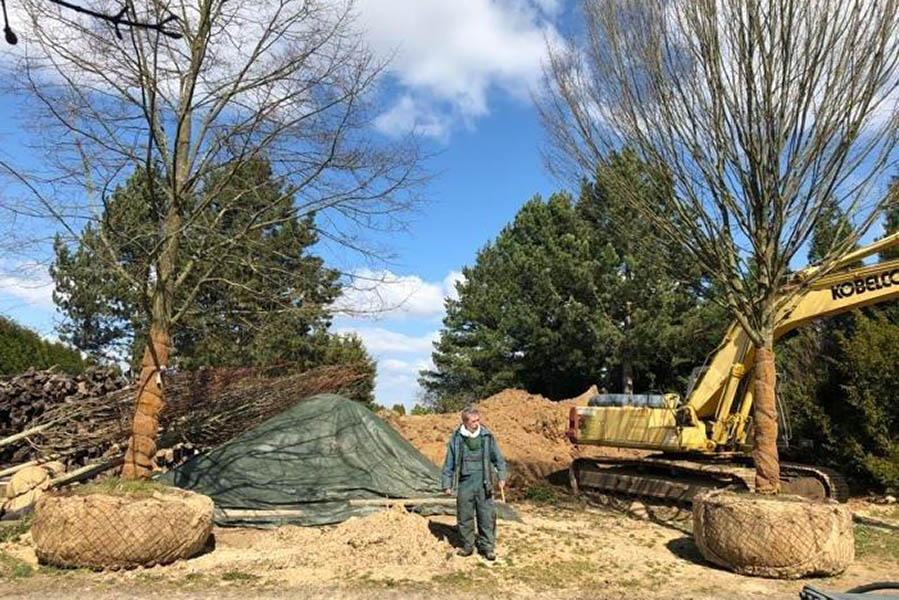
563, 549
529, 428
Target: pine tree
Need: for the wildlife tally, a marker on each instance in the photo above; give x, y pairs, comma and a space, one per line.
268, 302
837, 381
663, 326
566, 297
526, 314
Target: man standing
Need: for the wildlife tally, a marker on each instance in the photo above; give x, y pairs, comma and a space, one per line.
471, 456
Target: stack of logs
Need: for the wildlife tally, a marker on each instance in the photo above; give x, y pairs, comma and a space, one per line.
26, 397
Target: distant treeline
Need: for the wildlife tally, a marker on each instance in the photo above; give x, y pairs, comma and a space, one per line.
21, 348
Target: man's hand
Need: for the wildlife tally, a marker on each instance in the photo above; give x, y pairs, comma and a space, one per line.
502, 484
448, 492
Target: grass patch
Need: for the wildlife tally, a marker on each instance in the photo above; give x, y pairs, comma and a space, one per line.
13, 568
872, 542
477, 581
558, 574
116, 486
10, 532
51, 570
239, 576
150, 578
541, 492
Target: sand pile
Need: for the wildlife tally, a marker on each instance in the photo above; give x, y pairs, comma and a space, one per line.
529, 428
392, 537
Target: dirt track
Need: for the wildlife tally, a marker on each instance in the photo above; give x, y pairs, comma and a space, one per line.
561, 550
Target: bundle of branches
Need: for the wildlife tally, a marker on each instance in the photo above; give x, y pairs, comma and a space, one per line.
211, 406
204, 408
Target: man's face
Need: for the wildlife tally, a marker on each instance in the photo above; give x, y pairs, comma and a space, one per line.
471, 422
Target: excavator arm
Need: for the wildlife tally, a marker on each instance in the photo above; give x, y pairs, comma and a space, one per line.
715, 415
712, 399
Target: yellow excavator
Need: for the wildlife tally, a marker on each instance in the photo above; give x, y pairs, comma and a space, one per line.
703, 440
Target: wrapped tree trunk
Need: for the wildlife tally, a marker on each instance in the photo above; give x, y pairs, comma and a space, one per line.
139, 458
764, 453
141, 453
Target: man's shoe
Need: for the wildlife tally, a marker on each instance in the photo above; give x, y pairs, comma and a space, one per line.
490, 555
464, 551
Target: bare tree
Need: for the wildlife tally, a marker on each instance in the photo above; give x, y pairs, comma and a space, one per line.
288, 82
765, 114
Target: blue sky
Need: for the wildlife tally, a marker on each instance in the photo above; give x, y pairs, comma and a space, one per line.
461, 76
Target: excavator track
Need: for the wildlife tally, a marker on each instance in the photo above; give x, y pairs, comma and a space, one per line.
679, 480
835, 485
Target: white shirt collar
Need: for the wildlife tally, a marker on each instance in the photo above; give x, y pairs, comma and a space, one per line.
469, 434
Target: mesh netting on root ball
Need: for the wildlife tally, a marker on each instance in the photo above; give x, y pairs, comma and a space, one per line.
100, 531
773, 536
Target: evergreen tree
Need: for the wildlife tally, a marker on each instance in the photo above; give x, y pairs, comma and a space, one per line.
567, 296
663, 326
267, 303
526, 314
836, 381
21, 348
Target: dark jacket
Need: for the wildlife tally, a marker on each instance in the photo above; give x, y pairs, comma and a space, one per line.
452, 465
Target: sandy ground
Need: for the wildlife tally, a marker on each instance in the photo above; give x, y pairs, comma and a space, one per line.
566, 549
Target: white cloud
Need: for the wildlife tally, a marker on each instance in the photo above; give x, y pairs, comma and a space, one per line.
28, 283
403, 303
400, 358
409, 115
551, 7
449, 55
380, 341
392, 365
381, 294
449, 284
397, 381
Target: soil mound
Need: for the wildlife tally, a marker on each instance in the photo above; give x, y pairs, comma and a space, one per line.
101, 531
783, 536
529, 428
392, 537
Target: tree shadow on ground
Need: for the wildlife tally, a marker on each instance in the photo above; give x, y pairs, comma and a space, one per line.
685, 548
446, 533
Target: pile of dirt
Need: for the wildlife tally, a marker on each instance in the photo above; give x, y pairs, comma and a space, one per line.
529, 428
392, 536
388, 538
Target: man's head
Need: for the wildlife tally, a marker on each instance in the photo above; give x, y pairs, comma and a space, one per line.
471, 419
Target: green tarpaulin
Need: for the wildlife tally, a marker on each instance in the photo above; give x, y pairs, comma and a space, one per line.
308, 463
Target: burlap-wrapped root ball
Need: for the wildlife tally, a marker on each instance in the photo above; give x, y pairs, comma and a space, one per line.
773, 536
101, 531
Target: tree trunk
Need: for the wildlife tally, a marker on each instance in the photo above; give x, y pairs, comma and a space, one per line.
627, 356
627, 374
764, 454
141, 453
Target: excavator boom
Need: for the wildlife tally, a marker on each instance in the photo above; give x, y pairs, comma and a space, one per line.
714, 419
